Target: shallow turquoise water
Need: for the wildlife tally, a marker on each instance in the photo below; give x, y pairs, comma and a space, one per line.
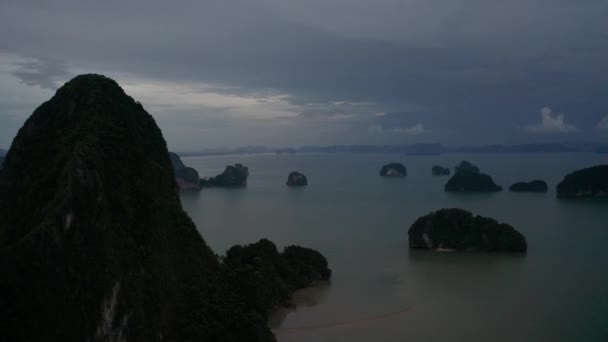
380, 290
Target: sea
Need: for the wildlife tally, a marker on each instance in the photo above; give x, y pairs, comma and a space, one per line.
381, 291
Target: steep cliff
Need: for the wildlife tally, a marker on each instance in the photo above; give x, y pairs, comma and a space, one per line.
94, 244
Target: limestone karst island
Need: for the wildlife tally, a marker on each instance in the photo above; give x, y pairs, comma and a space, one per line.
303, 171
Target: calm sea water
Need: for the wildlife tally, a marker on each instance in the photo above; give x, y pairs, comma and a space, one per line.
381, 291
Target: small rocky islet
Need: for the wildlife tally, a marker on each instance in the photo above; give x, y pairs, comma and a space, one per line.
296, 179
460, 230
468, 178
438, 170
395, 170
234, 176
536, 185
588, 182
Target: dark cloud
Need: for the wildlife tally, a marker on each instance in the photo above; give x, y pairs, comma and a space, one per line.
43, 73
465, 70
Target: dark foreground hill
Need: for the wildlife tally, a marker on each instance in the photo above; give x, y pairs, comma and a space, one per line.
94, 244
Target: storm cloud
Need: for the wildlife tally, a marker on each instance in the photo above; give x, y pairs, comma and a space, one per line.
229, 73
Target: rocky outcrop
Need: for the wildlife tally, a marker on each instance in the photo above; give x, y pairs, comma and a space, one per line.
269, 278
589, 182
465, 181
536, 185
1, 162
186, 177
393, 170
296, 179
466, 166
440, 171
94, 243
459, 230
232, 177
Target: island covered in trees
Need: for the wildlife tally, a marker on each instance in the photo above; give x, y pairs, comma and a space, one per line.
459, 230
393, 170
468, 178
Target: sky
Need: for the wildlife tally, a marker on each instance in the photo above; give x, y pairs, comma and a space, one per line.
284, 73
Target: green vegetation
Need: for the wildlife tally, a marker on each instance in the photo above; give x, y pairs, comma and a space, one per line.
589, 182
459, 230
94, 243
232, 177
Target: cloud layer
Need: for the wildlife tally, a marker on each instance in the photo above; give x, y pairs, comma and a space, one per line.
284, 72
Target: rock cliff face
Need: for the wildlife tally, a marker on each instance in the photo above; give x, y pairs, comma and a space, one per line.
393, 170
589, 182
232, 177
94, 244
296, 179
533, 186
186, 177
459, 230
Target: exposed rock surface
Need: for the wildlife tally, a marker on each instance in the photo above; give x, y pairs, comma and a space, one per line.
232, 177
296, 179
186, 177
536, 185
94, 243
466, 166
393, 170
459, 230
466, 181
589, 182
440, 171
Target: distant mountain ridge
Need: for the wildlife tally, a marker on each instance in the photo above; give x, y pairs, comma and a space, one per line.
413, 149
